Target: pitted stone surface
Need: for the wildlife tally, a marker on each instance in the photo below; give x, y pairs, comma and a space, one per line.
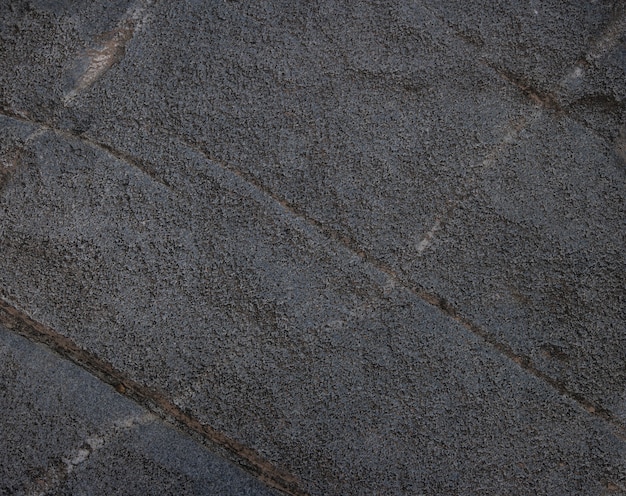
65, 432
288, 342
382, 149
249, 207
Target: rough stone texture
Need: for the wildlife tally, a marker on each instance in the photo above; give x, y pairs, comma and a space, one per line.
381, 148
65, 432
48, 411
594, 91
14, 135
572, 51
44, 46
156, 459
534, 253
288, 342
239, 205
538, 41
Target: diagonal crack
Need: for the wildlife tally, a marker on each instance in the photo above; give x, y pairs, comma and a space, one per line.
550, 99
609, 38
153, 400
545, 101
130, 160
537, 96
429, 297
350, 243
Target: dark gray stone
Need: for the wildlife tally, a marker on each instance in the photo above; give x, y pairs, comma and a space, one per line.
536, 41
49, 408
156, 459
286, 341
65, 432
14, 135
533, 254
381, 148
44, 46
594, 91
221, 176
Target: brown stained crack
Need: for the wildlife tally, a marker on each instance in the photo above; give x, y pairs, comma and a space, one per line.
541, 98
550, 350
110, 52
428, 296
604, 102
101, 59
523, 361
545, 100
150, 398
607, 40
132, 161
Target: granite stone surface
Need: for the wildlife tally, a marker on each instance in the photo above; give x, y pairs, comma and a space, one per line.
380, 244
65, 432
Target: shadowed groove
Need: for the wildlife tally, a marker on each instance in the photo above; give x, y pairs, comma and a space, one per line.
156, 402
431, 298
139, 164
351, 244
